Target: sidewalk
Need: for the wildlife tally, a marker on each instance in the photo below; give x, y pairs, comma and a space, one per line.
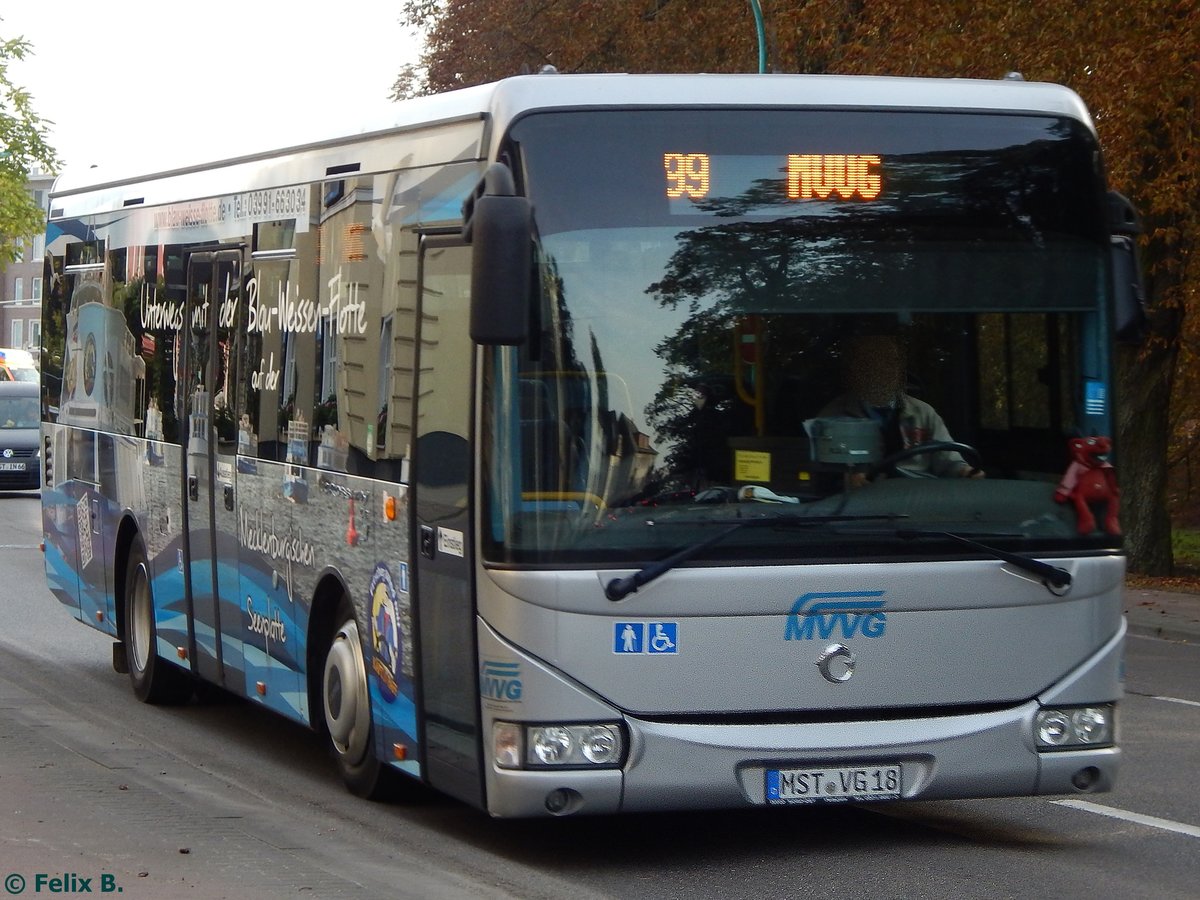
1164, 614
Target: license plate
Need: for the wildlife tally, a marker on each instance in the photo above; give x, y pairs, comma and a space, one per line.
12, 467
834, 785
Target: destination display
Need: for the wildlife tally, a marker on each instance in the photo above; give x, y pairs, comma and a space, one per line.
804, 176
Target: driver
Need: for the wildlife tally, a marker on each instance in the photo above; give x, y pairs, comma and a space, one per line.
874, 378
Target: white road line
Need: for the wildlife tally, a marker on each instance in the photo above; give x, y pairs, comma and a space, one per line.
1137, 818
1177, 700
1183, 642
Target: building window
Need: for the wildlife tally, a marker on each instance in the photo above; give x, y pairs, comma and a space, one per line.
36, 284
35, 333
19, 289
385, 381
328, 344
18, 332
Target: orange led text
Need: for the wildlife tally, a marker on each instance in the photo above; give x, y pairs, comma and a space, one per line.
687, 175
816, 176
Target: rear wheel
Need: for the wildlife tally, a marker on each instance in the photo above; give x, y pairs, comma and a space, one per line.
153, 679
346, 701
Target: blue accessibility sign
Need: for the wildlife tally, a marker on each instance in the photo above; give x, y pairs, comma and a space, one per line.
645, 637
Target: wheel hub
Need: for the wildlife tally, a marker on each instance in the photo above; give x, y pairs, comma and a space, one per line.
347, 714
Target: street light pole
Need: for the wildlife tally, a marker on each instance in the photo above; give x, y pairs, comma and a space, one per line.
756, 7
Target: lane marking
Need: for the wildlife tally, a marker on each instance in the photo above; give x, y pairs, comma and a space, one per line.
1177, 700
1180, 641
1136, 818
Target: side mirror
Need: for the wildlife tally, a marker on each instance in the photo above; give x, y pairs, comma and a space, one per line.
499, 227
1129, 300
1129, 296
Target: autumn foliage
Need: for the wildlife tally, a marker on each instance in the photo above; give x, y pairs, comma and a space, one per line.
1136, 65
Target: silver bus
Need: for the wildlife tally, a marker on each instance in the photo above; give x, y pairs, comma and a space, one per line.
505, 439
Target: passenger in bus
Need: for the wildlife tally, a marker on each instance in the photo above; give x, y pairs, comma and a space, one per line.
874, 374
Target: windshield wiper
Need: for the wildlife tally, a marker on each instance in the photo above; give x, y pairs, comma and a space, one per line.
1052, 576
620, 588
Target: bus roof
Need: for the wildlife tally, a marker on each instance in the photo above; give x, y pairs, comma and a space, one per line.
499, 103
516, 95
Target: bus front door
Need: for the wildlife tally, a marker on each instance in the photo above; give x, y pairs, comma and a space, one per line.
441, 474
210, 537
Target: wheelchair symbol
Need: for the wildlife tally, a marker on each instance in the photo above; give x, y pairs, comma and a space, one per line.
663, 638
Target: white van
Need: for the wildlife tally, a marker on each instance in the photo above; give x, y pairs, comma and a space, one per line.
17, 365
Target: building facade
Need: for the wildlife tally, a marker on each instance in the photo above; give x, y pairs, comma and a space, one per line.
21, 291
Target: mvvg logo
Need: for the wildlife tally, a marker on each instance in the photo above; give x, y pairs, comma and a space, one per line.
848, 613
501, 681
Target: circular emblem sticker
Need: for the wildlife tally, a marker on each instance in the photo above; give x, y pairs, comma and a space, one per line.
385, 635
89, 364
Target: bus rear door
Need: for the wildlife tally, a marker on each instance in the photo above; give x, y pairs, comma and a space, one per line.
213, 287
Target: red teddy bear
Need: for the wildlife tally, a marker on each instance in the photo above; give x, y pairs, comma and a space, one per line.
1090, 480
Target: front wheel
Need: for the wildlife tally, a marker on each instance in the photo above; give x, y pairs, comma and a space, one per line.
153, 679
347, 705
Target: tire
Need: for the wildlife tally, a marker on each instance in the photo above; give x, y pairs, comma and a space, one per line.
346, 702
154, 680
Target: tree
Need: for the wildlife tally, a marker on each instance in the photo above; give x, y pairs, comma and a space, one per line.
473, 41
23, 144
1136, 65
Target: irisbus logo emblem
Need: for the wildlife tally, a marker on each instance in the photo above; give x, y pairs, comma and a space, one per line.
845, 614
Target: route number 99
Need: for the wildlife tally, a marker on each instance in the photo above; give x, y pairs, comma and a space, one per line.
687, 175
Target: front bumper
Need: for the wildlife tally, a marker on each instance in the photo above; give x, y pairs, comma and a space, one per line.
705, 766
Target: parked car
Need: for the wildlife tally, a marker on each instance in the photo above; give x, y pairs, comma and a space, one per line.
20, 426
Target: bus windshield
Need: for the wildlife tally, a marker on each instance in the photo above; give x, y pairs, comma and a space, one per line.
875, 318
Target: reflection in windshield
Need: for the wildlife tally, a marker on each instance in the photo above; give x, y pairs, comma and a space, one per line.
19, 412
688, 364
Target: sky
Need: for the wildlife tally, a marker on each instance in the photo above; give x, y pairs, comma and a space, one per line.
138, 84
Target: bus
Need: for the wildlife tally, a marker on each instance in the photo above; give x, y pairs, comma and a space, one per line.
488, 437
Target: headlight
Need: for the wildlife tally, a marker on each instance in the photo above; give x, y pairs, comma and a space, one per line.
1072, 728
551, 745
601, 745
1053, 728
557, 745
1092, 725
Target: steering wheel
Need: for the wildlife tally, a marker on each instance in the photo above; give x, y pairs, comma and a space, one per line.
966, 451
